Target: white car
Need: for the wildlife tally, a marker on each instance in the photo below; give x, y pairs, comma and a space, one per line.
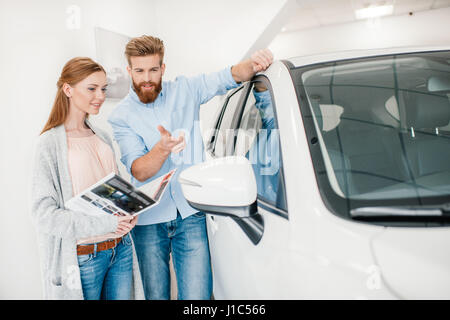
328, 177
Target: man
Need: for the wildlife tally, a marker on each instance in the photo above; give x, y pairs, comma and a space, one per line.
144, 125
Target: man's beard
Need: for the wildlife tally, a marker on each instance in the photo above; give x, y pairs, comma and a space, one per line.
147, 96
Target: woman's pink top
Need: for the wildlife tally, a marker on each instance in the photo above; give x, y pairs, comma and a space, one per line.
90, 159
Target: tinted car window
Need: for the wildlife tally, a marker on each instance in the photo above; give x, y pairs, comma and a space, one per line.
258, 140
223, 138
383, 129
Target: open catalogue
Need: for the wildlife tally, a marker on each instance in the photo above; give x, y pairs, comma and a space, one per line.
114, 195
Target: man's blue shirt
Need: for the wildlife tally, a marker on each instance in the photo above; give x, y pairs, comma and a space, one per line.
177, 109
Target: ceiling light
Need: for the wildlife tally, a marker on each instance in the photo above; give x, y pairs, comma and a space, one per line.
374, 12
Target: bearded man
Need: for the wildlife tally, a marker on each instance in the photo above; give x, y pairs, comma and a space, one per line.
144, 125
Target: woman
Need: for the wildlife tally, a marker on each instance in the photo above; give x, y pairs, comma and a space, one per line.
82, 256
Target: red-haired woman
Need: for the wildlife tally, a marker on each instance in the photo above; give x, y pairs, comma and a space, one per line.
82, 256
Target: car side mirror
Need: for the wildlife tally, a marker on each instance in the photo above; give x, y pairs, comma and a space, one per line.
223, 186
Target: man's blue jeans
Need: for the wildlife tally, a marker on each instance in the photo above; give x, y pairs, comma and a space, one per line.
187, 239
108, 274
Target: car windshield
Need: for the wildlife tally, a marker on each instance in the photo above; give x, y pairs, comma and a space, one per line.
381, 126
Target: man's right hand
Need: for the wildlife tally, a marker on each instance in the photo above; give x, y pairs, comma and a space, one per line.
170, 144
149, 164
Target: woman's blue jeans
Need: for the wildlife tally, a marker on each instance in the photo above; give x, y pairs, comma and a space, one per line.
108, 274
187, 239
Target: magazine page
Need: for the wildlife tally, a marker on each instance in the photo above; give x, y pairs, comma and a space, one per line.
156, 188
114, 195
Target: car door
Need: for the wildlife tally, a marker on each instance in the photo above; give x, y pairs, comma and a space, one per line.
245, 265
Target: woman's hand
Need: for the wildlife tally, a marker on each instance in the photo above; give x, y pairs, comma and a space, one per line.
133, 221
126, 223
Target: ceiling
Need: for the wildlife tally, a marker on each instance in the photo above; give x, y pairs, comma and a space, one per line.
317, 13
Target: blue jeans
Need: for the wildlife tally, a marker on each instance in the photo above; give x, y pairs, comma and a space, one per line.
108, 274
187, 239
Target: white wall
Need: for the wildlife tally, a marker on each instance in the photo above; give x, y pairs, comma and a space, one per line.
422, 28
200, 36
35, 44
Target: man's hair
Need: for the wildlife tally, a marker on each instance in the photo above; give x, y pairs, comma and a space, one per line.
144, 46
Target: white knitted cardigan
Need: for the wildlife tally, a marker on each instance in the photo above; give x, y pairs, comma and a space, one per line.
59, 228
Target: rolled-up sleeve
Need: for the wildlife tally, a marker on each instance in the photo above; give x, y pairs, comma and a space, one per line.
131, 145
207, 86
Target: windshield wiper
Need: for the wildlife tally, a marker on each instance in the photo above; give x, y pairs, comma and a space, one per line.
396, 212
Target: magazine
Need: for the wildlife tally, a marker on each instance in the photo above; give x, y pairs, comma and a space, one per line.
114, 195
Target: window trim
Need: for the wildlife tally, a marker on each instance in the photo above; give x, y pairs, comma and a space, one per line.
212, 139
236, 122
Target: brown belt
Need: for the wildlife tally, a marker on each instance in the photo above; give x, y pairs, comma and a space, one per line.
105, 245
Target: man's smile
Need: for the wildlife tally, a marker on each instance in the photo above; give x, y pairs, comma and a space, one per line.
147, 87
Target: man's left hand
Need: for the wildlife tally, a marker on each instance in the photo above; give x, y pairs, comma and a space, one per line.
261, 60
245, 70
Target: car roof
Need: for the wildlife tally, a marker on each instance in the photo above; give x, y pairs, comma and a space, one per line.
353, 54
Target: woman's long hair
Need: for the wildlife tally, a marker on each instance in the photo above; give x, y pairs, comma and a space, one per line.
74, 71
